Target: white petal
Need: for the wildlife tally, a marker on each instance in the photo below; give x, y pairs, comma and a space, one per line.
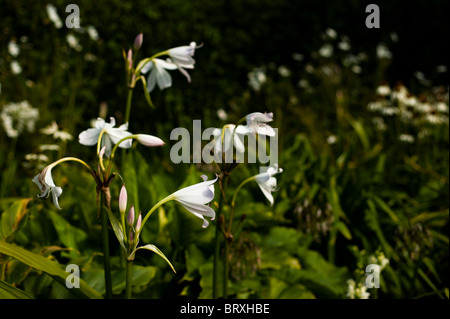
99, 123
199, 209
117, 134
267, 191
264, 129
151, 81
163, 78
165, 64
147, 67
56, 192
89, 137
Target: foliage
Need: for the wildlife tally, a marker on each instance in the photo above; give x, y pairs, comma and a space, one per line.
360, 179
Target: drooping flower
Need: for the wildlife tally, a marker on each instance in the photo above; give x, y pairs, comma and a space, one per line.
158, 74
257, 123
110, 136
182, 57
44, 181
194, 198
267, 182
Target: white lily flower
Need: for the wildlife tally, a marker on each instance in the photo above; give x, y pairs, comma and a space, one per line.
110, 136
256, 123
194, 198
182, 57
158, 74
267, 182
44, 181
228, 143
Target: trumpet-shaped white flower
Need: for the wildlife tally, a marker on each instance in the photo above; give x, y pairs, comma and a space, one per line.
158, 74
44, 181
230, 141
267, 182
256, 123
182, 57
110, 136
194, 198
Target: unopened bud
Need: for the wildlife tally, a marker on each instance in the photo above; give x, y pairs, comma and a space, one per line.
138, 41
130, 217
149, 140
130, 59
123, 200
139, 222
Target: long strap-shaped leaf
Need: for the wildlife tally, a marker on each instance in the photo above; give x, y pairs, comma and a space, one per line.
44, 264
7, 291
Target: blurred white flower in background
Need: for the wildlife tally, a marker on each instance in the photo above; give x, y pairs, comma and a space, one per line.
73, 42
53, 15
15, 67
326, 50
284, 71
331, 33
18, 117
52, 129
383, 51
256, 78
13, 48
222, 114
92, 32
407, 138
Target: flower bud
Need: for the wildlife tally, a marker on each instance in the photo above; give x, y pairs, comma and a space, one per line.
130, 217
149, 140
123, 200
138, 41
130, 59
139, 222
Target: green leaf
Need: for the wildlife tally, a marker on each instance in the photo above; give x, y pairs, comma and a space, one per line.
44, 264
11, 218
116, 227
7, 291
344, 230
155, 250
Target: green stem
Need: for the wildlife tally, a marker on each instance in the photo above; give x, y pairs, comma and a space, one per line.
105, 241
225, 267
128, 106
217, 241
129, 279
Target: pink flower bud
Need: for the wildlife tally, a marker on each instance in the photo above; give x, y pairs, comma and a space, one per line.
123, 200
138, 41
131, 235
139, 222
130, 217
149, 140
130, 59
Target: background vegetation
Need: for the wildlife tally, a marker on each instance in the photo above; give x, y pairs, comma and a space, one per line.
366, 173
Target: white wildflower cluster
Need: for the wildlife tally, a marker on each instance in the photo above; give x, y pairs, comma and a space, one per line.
379, 258
18, 117
356, 287
357, 291
411, 110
